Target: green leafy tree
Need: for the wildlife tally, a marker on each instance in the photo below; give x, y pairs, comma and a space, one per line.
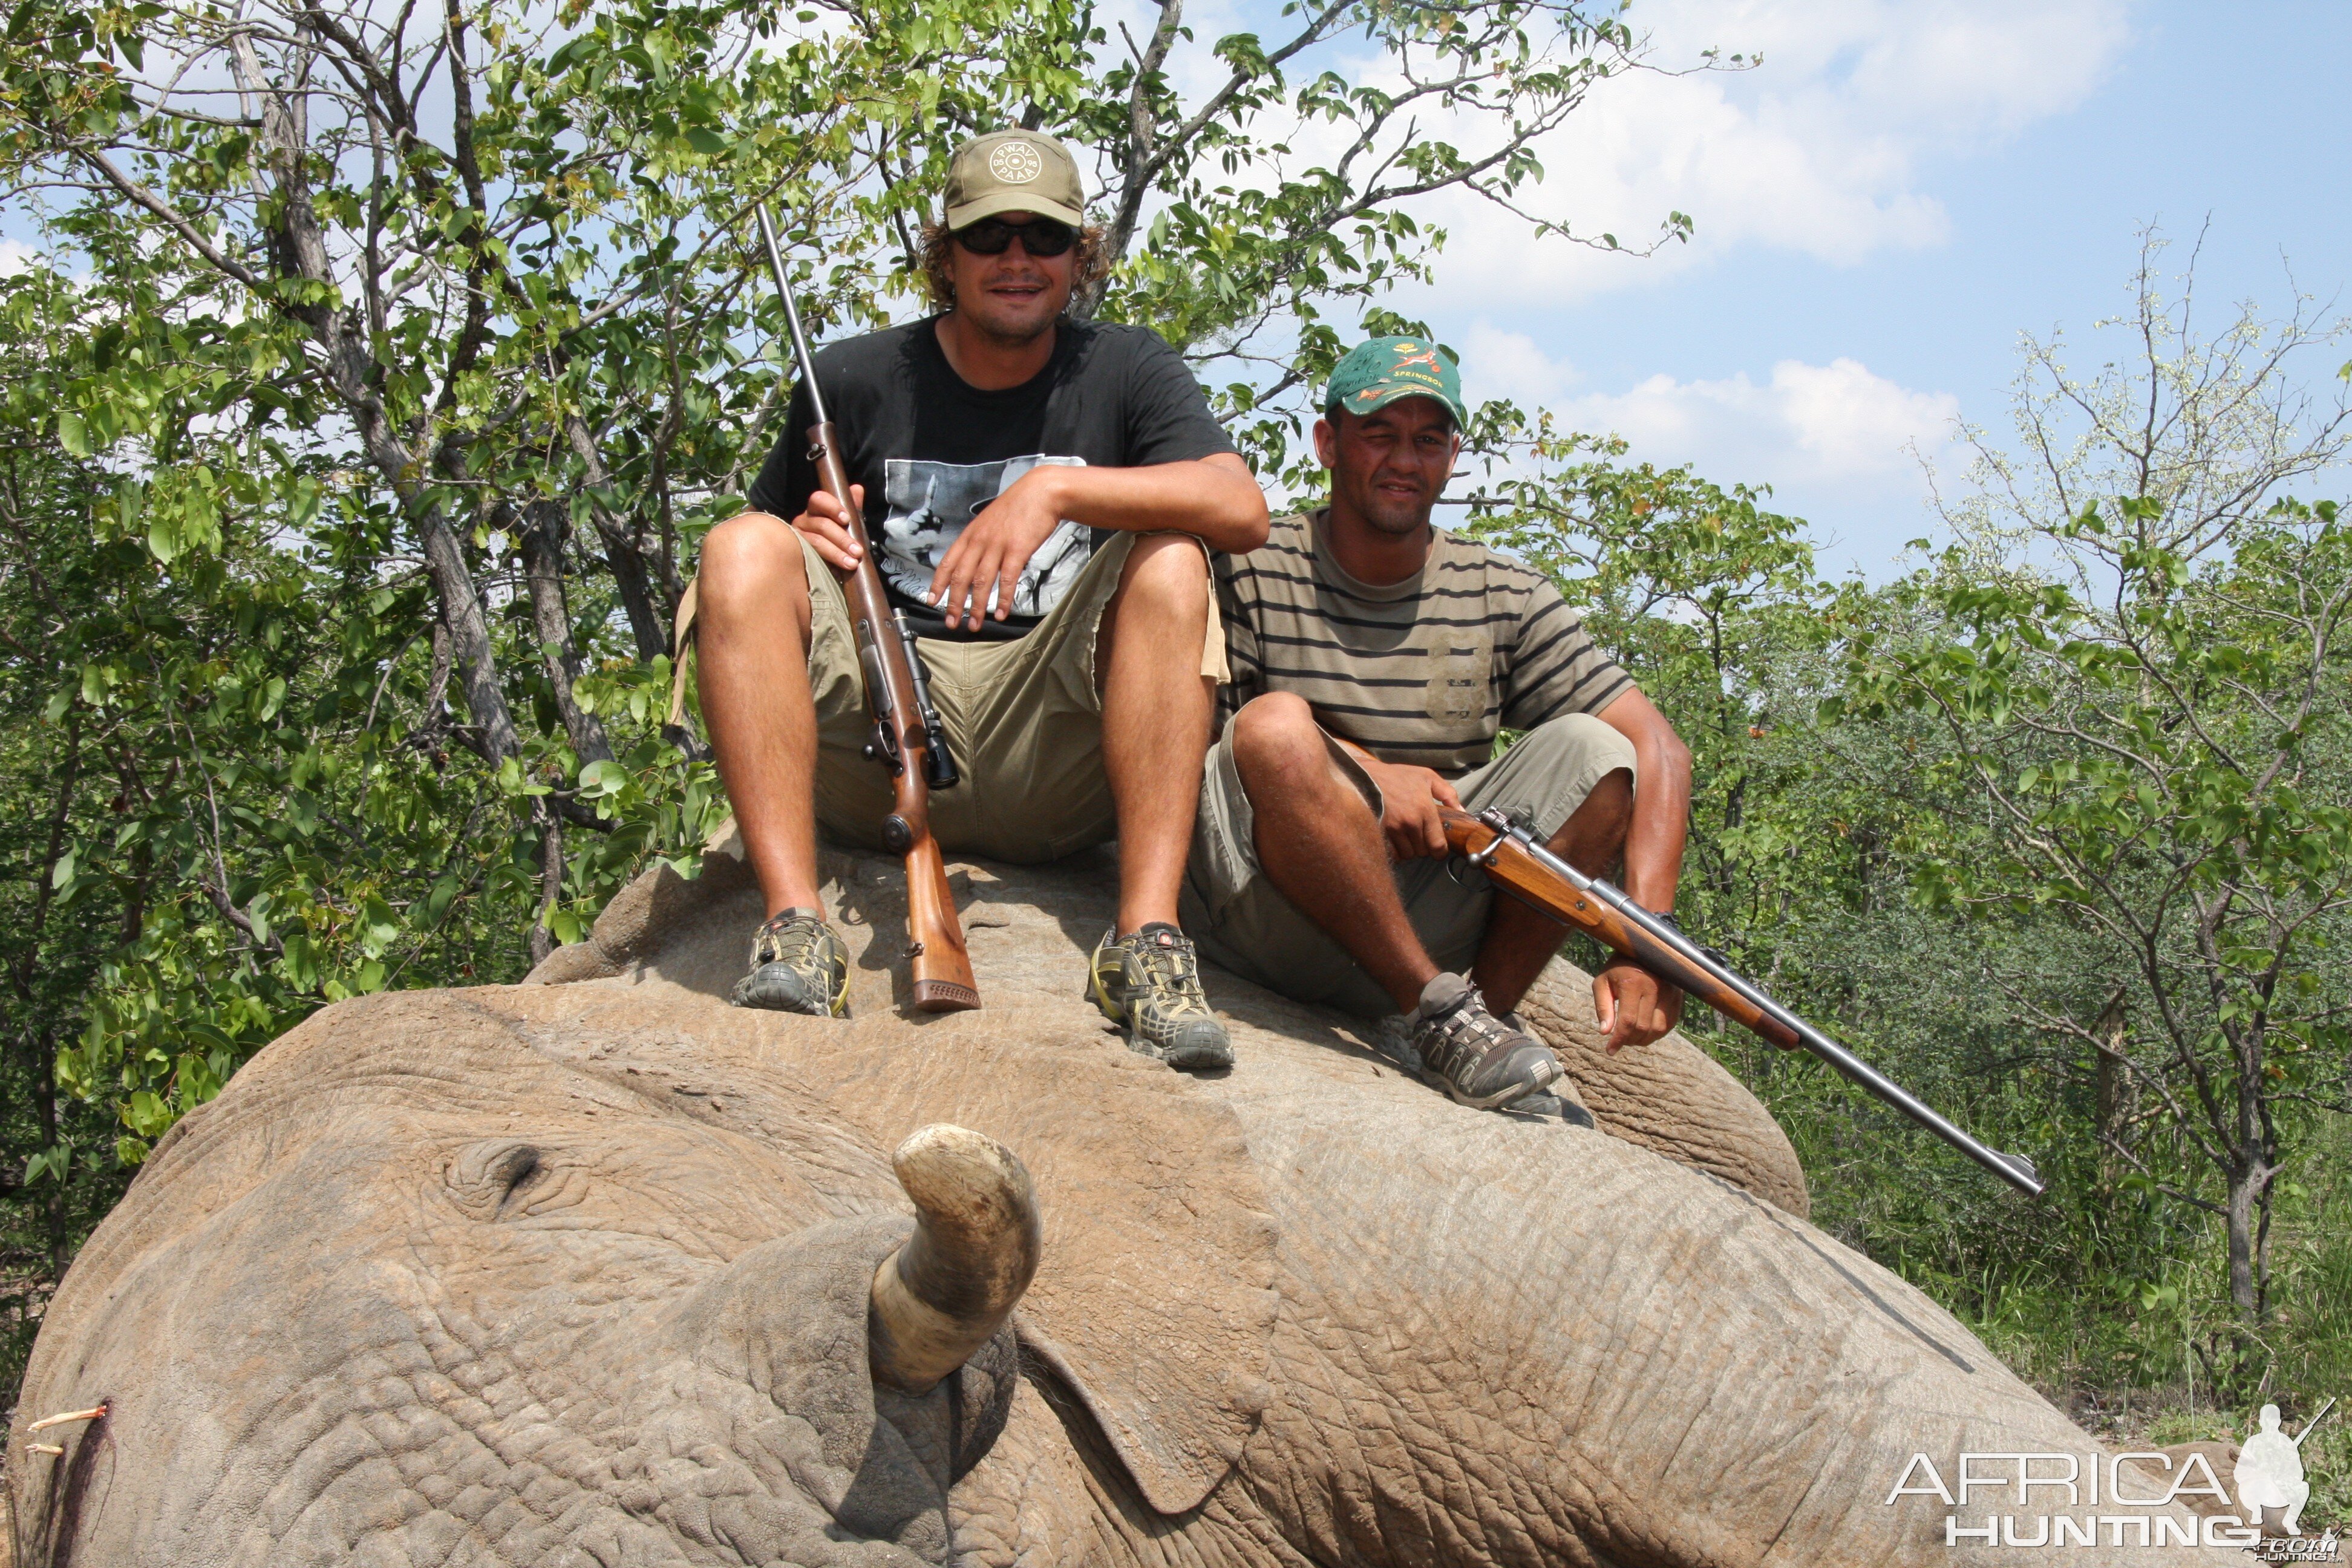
57, 1171
1714, 601
2136, 657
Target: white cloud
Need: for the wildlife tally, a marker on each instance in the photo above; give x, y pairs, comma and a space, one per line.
1837, 443
15, 257
1834, 425
1512, 365
1818, 151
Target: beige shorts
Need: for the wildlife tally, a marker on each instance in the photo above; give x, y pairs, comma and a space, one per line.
1244, 924
1024, 718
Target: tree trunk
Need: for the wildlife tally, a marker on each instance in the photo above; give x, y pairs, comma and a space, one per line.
2112, 1089
45, 1097
299, 249
2244, 1184
469, 636
551, 879
621, 552
541, 536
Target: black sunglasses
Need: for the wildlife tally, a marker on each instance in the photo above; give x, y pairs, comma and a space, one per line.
1039, 237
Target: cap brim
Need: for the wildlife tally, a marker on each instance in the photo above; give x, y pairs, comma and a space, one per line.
1398, 394
998, 202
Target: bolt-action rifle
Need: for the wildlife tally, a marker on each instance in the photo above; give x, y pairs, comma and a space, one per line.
1524, 868
907, 736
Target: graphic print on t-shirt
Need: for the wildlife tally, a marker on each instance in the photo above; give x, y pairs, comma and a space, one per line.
1460, 680
928, 504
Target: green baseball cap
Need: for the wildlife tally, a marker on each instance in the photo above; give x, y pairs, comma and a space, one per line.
1377, 373
1015, 170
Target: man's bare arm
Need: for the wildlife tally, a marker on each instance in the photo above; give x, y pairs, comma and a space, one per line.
1214, 499
1662, 793
1633, 1006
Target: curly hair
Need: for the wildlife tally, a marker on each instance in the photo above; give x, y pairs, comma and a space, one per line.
937, 267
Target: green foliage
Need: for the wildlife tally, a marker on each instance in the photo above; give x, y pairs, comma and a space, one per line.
2145, 728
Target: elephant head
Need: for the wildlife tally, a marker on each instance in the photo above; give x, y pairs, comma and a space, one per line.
406, 1294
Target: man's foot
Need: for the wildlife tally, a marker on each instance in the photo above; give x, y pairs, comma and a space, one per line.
1474, 1055
1572, 1108
799, 964
1151, 982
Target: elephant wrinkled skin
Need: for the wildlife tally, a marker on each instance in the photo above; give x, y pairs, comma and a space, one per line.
578, 1271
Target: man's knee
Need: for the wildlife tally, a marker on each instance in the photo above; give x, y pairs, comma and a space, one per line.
751, 561
1277, 745
1609, 809
1578, 740
1166, 574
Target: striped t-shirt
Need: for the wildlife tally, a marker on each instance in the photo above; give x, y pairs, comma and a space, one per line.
1423, 671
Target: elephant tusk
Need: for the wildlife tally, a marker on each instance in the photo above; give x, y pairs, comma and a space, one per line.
939, 1298
63, 1416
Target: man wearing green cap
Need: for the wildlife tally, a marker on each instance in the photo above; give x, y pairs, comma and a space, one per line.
1375, 657
1042, 494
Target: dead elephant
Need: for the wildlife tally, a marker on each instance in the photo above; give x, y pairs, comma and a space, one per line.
585, 1272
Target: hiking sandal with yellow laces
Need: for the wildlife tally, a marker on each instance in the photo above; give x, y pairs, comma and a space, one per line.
799, 964
1150, 982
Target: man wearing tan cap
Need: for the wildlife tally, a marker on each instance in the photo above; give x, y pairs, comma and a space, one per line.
1043, 494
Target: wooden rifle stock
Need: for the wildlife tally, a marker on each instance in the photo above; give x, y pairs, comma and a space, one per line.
902, 741
1521, 867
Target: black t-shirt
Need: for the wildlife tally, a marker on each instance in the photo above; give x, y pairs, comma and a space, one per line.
931, 450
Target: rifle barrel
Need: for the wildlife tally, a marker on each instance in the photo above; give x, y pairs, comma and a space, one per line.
2015, 1169
793, 316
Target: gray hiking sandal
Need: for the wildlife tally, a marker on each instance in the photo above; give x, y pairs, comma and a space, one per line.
799, 964
1567, 1103
1150, 982
1474, 1055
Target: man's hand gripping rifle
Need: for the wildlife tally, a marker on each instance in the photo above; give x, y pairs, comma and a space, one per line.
907, 736
1524, 868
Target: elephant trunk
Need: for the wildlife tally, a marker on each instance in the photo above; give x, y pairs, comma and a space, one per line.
939, 1298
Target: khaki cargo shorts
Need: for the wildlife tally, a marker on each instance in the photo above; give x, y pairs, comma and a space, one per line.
1242, 922
1024, 718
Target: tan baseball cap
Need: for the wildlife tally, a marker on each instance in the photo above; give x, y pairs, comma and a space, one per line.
1015, 170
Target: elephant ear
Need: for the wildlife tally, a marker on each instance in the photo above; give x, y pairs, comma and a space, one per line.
1669, 1096
1154, 1303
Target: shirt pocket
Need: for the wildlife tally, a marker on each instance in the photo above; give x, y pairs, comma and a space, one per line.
1461, 679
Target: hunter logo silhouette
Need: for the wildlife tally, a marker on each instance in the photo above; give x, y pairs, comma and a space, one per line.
2270, 1470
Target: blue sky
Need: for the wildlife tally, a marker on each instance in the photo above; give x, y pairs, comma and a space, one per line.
1881, 208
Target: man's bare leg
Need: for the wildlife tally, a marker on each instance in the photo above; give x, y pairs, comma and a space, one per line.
1157, 708
1520, 941
1320, 844
752, 640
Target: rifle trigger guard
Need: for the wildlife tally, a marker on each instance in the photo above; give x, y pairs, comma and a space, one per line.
1505, 828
